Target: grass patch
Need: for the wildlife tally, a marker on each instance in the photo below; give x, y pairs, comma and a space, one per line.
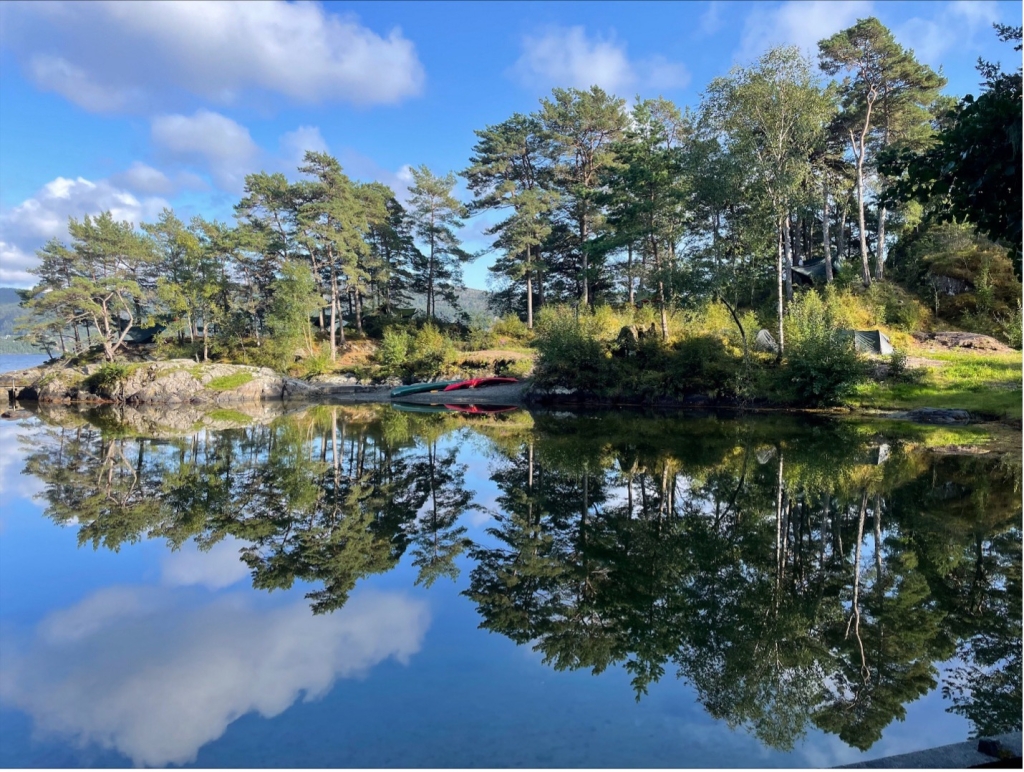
228, 382
924, 435
232, 416
985, 384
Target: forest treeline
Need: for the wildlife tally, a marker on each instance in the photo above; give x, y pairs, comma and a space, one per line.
784, 163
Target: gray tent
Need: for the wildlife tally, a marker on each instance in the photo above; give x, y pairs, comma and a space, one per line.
812, 272
765, 342
870, 341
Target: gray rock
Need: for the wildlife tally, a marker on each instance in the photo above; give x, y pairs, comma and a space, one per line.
935, 415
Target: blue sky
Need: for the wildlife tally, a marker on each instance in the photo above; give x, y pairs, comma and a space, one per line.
136, 106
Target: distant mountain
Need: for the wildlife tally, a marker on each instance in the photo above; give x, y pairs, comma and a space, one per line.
9, 312
472, 301
9, 295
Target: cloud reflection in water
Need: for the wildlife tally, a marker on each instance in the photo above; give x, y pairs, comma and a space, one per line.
136, 670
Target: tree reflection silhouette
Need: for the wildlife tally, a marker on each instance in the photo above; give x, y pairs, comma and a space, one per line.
774, 565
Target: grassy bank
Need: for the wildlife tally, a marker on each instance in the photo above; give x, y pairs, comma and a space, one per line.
987, 384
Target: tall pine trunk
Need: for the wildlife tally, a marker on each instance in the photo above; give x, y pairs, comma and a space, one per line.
880, 249
787, 240
824, 233
780, 296
334, 315
629, 273
529, 293
865, 267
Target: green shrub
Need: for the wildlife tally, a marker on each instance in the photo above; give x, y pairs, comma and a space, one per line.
1011, 328
821, 365
111, 375
571, 354
317, 364
432, 353
702, 365
896, 307
821, 371
516, 368
512, 327
393, 351
898, 364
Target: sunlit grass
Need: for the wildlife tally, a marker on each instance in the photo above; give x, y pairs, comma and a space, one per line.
985, 384
228, 382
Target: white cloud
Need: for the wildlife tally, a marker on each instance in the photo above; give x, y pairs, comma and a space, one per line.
128, 668
567, 57
215, 568
294, 144
954, 25
800, 24
54, 73
14, 484
26, 227
711, 20
145, 180
210, 141
113, 56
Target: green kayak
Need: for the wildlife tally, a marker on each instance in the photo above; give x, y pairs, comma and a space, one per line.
419, 388
407, 407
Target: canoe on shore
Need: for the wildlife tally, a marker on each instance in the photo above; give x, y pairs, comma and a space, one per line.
420, 388
476, 383
409, 407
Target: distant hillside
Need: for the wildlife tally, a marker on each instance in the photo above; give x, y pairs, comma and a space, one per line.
9, 312
472, 301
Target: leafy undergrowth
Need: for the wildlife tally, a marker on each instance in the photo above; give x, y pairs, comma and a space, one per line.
986, 384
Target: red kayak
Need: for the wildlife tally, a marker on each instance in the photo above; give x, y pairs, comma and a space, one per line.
482, 409
476, 383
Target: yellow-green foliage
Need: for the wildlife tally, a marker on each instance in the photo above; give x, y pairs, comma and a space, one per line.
316, 364
511, 329
518, 368
228, 382
432, 352
822, 366
393, 350
111, 374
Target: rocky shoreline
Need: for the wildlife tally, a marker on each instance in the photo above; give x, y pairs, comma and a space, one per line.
175, 382
182, 382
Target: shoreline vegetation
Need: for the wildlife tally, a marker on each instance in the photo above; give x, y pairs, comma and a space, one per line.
720, 256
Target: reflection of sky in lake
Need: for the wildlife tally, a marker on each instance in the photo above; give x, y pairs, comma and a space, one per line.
153, 657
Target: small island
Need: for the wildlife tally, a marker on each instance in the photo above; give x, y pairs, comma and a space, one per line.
791, 244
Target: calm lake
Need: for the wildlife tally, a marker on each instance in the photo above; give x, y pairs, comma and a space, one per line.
368, 587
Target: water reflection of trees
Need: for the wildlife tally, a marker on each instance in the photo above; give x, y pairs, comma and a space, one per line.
776, 567
792, 583
328, 497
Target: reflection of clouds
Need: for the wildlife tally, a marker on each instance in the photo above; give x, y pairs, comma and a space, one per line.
14, 484
129, 669
220, 566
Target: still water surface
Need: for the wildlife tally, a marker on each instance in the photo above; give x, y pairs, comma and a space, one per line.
365, 587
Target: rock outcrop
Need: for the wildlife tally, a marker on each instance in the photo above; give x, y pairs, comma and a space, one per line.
970, 340
176, 381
